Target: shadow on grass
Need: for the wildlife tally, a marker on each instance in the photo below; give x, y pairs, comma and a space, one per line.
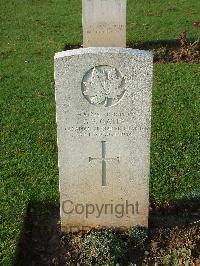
142, 45
165, 51
175, 214
41, 241
154, 44
39, 238
174, 43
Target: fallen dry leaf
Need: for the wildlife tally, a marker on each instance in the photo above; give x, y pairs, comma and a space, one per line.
196, 24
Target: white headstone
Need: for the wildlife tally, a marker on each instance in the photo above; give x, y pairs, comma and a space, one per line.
104, 23
103, 98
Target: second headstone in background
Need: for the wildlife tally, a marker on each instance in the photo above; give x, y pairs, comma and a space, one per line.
104, 23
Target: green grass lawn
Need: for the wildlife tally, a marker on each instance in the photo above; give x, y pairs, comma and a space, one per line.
31, 32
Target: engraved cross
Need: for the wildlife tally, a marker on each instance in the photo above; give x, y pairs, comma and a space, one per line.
103, 159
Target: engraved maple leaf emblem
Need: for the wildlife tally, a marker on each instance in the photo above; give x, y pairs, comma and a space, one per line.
104, 86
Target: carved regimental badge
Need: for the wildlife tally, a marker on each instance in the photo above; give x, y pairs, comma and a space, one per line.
103, 85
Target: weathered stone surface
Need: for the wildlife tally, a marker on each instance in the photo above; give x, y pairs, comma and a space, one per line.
104, 23
103, 98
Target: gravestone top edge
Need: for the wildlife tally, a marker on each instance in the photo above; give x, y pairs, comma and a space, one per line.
101, 50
